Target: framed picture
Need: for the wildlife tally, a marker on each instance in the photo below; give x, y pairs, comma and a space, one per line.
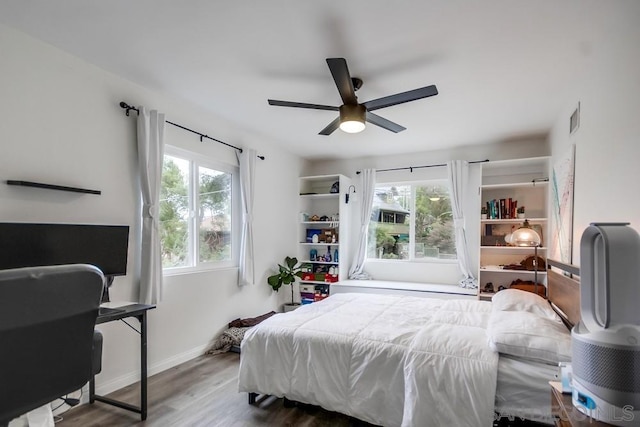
562, 208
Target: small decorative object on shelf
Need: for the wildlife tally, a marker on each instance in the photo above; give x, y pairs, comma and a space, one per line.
521, 212
313, 255
483, 212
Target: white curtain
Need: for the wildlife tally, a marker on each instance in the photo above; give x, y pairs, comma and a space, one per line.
247, 161
150, 156
458, 174
366, 205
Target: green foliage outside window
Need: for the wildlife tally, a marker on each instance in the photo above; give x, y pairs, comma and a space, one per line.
174, 209
212, 225
433, 224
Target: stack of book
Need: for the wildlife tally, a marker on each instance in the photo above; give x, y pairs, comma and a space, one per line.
502, 208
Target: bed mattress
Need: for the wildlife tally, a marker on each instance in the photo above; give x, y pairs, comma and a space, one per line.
385, 359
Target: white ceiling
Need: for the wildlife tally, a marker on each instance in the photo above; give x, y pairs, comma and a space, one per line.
503, 67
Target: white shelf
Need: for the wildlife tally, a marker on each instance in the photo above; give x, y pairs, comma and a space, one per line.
319, 262
516, 185
513, 248
512, 221
502, 270
333, 223
522, 181
317, 282
315, 198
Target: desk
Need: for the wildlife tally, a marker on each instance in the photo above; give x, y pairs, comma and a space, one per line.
139, 311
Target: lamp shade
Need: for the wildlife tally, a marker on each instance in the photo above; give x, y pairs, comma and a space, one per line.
525, 236
352, 118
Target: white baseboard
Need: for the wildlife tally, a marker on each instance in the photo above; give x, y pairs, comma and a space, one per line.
133, 377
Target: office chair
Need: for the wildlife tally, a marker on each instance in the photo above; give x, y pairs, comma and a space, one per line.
47, 343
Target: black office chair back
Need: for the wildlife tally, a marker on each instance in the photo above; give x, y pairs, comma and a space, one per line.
47, 319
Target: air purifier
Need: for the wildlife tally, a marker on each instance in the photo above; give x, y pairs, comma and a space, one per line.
606, 341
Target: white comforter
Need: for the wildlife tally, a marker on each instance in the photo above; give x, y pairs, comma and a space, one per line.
385, 359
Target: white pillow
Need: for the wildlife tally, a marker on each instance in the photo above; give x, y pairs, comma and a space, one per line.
529, 336
519, 300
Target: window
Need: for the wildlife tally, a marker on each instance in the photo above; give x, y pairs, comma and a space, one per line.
412, 222
196, 212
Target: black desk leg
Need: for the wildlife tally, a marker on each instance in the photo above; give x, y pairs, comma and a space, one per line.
92, 389
143, 365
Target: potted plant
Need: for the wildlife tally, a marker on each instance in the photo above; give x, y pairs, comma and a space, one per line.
483, 212
521, 212
286, 276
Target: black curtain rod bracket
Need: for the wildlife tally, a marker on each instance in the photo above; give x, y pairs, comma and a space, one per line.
202, 136
411, 168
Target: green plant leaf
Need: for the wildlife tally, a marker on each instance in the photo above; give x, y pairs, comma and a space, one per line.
274, 282
291, 262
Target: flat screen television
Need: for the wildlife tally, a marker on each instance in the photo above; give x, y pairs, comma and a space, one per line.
30, 245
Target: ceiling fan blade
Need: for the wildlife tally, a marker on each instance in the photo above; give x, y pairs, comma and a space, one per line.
331, 127
401, 98
384, 123
302, 105
341, 76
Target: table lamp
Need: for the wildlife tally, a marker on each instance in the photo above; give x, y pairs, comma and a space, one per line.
526, 236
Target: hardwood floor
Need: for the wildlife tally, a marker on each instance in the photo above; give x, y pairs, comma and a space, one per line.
201, 392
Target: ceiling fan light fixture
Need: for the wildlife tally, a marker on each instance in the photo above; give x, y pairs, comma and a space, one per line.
352, 118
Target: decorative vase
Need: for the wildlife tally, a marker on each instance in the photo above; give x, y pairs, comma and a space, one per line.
520, 216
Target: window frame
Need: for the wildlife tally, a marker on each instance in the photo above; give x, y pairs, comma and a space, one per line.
196, 161
412, 224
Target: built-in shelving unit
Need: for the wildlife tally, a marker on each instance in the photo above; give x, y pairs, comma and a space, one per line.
330, 212
525, 183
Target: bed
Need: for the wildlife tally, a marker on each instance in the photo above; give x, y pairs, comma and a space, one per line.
396, 360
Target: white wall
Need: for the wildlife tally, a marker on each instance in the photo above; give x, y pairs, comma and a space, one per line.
430, 272
61, 124
608, 139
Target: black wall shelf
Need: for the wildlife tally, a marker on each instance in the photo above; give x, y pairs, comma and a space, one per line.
52, 187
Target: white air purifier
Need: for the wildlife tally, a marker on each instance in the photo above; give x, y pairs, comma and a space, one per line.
606, 341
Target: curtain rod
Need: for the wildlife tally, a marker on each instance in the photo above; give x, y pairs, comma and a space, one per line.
202, 135
411, 168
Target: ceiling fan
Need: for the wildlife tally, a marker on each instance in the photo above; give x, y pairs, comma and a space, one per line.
353, 114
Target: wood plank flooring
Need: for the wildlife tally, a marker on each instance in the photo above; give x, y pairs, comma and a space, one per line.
201, 392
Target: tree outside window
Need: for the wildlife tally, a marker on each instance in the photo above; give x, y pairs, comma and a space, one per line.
195, 214
412, 222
